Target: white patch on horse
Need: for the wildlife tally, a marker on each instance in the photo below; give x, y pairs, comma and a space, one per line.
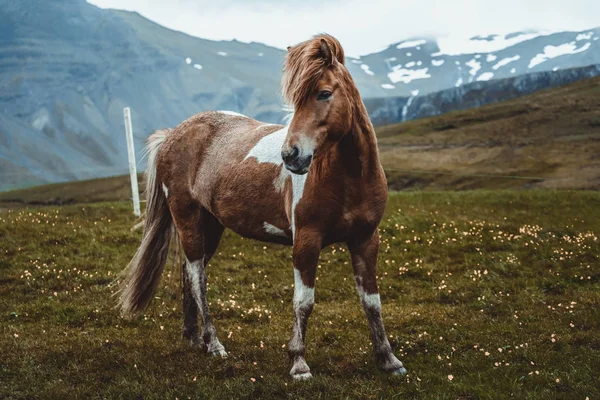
193, 271
371, 300
298, 182
303, 295
273, 230
279, 182
164, 187
306, 145
235, 114
268, 148
368, 300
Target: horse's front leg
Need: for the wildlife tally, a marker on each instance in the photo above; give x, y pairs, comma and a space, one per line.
364, 261
305, 256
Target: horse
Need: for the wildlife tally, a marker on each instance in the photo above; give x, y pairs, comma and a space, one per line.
313, 182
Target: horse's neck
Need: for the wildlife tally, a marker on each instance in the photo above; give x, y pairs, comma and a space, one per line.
355, 156
365, 141
360, 148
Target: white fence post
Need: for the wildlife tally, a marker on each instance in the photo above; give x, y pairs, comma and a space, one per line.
132, 169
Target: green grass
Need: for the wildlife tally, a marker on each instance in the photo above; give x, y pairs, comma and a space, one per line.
498, 289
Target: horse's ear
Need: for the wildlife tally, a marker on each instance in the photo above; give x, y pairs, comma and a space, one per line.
326, 53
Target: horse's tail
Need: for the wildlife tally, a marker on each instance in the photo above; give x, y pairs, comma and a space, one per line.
142, 275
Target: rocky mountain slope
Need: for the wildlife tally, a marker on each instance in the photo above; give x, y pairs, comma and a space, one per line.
67, 69
390, 110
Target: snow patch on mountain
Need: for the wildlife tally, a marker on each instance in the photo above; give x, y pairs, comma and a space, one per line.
437, 63
551, 52
486, 76
388, 86
410, 44
365, 68
505, 61
475, 66
454, 46
584, 36
41, 119
408, 75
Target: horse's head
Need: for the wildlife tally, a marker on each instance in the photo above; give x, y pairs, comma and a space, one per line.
321, 90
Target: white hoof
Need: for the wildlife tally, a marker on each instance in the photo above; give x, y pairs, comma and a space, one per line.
216, 349
302, 377
400, 371
218, 353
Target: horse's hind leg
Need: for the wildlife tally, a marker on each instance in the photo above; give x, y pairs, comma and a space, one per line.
364, 260
213, 231
200, 235
190, 311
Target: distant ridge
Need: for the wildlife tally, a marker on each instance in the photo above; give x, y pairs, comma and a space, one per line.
550, 139
67, 69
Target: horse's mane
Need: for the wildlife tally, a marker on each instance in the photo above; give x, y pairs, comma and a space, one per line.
304, 65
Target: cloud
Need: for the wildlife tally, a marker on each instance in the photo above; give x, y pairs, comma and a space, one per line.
363, 26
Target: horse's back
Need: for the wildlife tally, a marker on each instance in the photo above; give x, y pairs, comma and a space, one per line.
231, 166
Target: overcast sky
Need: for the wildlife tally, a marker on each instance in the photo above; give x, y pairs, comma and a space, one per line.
363, 26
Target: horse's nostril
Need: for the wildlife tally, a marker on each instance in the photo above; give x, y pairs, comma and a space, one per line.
290, 156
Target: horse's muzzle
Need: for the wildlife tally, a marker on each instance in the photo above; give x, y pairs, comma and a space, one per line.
296, 163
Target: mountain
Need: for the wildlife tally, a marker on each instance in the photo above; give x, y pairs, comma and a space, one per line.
67, 69
422, 65
550, 139
390, 110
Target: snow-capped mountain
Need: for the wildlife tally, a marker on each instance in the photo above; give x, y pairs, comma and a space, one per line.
67, 69
425, 65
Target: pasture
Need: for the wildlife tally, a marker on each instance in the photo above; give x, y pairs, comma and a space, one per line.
486, 294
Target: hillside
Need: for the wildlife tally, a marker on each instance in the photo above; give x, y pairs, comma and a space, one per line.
67, 69
550, 139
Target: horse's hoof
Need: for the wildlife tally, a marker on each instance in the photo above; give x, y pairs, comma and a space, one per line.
218, 353
400, 371
302, 377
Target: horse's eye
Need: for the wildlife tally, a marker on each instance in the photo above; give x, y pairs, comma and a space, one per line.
323, 95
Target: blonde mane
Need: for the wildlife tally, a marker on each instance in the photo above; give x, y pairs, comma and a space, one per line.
304, 65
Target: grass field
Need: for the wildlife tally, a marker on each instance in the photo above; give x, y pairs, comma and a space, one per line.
487, 294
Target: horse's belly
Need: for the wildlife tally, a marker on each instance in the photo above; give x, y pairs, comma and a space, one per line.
251, 202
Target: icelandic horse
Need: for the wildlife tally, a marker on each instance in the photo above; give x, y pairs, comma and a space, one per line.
309, 184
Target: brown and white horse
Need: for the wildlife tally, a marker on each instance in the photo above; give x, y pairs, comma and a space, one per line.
314, 182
